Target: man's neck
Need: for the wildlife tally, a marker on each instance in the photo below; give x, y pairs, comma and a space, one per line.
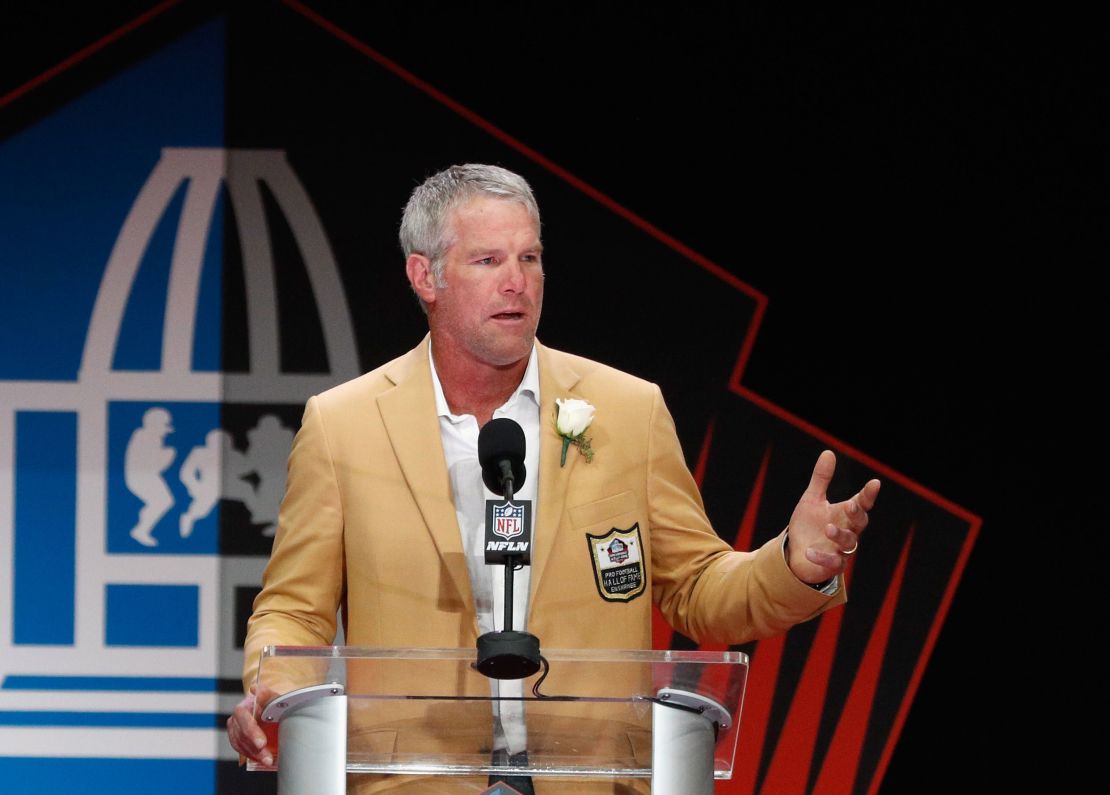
471, 386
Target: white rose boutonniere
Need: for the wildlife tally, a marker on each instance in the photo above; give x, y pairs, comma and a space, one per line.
572, 418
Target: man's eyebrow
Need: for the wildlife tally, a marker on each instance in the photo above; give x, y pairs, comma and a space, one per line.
473, 252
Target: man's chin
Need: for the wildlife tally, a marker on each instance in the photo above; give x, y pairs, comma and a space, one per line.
510, 354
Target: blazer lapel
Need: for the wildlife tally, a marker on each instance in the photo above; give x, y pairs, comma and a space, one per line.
557, 380
409, 414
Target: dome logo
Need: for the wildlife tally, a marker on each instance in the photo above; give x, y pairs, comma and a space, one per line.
143, 496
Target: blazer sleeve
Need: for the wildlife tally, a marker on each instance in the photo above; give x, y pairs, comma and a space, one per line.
704, 588
304, 581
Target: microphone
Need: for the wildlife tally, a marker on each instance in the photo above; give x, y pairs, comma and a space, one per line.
501, 454
508, 539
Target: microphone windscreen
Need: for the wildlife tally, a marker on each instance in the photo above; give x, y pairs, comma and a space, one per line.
501, 439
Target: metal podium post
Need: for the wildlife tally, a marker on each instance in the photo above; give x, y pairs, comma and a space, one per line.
684, 729
312, 739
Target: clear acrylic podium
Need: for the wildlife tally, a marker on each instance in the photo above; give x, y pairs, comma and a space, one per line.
670, 716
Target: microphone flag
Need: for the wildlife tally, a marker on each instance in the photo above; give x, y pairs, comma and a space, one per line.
508, 531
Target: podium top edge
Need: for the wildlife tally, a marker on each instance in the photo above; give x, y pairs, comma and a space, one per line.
669, 656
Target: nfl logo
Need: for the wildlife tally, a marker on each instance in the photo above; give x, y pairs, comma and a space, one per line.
508, 520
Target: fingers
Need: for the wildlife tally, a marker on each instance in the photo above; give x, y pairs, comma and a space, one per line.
832, 562
855, 517
868, 494
822, 475
846, 541
823, 472
856, 509
245, 735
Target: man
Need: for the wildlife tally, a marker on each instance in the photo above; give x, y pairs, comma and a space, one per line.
384, 496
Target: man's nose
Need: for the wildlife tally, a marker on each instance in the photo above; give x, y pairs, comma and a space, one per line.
512, 277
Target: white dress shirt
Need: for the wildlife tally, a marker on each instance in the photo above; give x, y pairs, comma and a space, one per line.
459, 434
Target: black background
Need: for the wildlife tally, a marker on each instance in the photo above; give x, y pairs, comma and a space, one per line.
913, 188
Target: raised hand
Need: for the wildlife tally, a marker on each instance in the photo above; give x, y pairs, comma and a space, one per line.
823, 535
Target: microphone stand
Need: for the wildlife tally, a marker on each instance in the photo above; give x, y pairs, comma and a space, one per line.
508, 654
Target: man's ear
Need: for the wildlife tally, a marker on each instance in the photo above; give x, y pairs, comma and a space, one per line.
423, 281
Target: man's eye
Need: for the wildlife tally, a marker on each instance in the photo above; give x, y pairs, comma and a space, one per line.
530, 258
487, 261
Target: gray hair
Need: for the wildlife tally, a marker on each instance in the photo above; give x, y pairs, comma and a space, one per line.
424, 224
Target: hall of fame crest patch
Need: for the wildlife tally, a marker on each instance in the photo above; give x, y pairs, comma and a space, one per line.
618, 563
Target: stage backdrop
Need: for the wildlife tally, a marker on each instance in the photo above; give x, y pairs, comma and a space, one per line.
202, 238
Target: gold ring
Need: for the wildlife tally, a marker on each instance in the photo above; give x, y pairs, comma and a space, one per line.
852, 551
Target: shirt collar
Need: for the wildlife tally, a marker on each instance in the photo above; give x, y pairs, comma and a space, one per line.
529, 385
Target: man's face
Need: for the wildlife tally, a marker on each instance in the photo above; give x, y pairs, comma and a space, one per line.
490, 306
